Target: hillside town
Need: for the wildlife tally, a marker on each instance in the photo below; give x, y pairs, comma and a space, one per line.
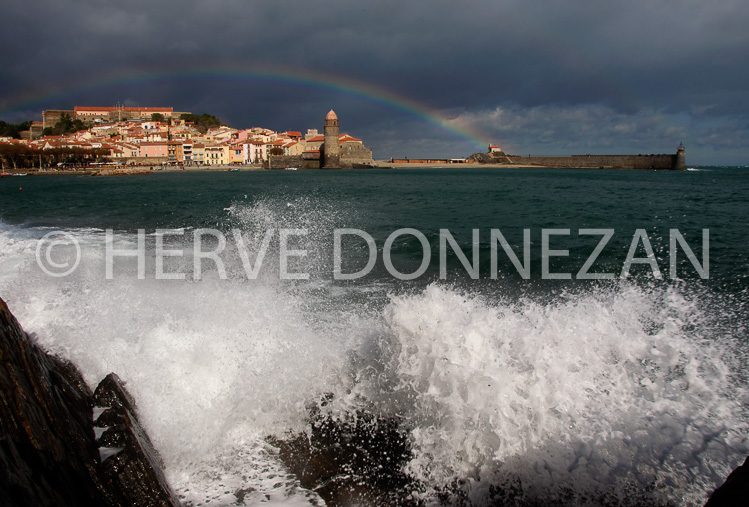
158, 137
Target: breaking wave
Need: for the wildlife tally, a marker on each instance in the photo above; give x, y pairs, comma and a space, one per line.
619, 391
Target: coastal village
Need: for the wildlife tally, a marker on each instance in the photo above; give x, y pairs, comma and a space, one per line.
159, 137
123, 140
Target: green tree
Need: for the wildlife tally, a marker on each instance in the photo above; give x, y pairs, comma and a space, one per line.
157, 117
66, 125
202, 122
17, 155
13, 130
20, 156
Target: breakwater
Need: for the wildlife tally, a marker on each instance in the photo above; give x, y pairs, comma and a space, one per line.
676, 161
600, 161
670, 162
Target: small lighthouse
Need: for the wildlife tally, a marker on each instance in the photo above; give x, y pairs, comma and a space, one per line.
680, 162
330, 145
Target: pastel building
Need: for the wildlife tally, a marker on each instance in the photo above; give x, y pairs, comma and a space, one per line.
175, 153
187, 150
216, 155
198, 153
128, 150
154, 149
237, 153
259, 152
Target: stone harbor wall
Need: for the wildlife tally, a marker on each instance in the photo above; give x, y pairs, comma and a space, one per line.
601, 161
284, 161
356, 157
586, 161
150, 161
49, 453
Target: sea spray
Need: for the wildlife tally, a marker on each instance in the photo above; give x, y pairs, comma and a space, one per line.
597, 393
215, 365
623, 387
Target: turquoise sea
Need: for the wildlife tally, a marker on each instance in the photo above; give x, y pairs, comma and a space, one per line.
219, 298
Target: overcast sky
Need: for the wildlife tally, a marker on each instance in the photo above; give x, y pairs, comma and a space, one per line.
545, 77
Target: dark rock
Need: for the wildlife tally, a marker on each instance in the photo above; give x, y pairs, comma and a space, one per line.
482, 158
490, 158
131, 467
47, 447
733, 492
112, 393
48, 451
356, 462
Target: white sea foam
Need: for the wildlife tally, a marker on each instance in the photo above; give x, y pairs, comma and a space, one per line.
215, 366
614, 389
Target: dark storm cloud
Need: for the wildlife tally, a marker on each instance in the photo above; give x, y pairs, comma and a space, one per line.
572, 76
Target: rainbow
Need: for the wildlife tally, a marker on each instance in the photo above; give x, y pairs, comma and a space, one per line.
330, 83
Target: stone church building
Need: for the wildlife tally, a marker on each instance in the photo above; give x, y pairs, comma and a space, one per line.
342, 151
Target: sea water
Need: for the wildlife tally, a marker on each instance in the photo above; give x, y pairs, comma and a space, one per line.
573, 390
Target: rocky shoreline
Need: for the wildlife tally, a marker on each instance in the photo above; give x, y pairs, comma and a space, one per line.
49, 449
63, 445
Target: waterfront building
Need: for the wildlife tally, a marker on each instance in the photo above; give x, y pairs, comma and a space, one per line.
217, 154
153, 150
198, 150
175, 152
259, 152
237, 153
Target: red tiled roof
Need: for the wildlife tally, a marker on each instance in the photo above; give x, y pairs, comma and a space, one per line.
347, 138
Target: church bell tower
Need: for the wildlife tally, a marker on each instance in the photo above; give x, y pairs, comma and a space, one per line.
330, 145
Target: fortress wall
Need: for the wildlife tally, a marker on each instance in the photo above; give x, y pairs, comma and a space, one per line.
597, 161
354, 153
51, 116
